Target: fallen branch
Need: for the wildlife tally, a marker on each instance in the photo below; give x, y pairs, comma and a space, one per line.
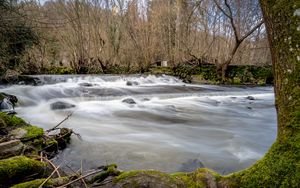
55, 127
50, 176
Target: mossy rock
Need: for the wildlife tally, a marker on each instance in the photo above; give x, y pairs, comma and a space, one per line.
11, 121
110, 170
146, 178
16, 169
50, 183
150, 178
33, 132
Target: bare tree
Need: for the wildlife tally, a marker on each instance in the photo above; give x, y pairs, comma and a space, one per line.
238, 37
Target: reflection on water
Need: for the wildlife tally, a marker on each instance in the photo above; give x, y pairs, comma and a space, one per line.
167, 125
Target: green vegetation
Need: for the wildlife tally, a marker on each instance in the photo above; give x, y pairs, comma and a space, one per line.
16, 35
206, 73
110, 170
16, 169
9, 121
32, 133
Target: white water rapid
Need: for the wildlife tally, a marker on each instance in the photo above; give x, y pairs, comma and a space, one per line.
168, 125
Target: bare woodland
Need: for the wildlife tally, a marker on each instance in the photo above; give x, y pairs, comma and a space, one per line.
91, 35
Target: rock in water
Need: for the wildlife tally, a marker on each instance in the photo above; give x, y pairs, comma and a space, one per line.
7, 103
250, 98
129, 101
132, 83
61, 105
191, 165
85, 84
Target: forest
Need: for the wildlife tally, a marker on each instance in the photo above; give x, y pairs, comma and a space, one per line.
120, 36
149, 93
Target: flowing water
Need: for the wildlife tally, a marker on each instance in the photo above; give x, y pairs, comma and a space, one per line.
172, 126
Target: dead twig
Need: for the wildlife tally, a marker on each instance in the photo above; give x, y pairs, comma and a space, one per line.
55, 127
47, 161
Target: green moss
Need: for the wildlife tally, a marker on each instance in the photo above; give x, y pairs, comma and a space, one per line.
110, 170
33, 132
11, 121
15, 169
199, 178
277, 169
36, 183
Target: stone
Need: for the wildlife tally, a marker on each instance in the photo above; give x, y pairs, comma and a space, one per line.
129, 101
85, 84
132, 83
7, 103
11, 148
250, 98
59, 105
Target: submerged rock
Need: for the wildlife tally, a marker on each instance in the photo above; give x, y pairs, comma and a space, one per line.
129, 101
191, 165
61, 105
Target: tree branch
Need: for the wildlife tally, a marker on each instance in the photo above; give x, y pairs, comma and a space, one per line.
252, 30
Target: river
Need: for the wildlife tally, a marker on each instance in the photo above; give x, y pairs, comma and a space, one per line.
169, 125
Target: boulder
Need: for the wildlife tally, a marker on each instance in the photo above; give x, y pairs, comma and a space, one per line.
129, 101
59, 105
7, 102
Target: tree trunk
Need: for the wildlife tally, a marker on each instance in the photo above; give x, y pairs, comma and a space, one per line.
281, 165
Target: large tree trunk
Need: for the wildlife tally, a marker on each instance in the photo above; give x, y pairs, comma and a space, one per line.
281, 165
